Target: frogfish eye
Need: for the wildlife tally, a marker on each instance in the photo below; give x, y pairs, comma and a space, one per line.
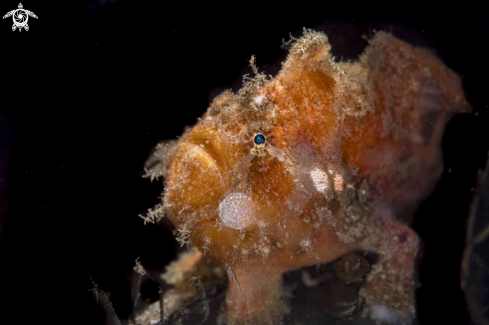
259, 139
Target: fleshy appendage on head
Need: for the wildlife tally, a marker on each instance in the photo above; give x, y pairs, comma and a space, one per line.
315, 163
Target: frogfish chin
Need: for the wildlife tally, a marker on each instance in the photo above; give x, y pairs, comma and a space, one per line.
325, 159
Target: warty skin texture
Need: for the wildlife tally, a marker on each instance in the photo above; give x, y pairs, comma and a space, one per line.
350, 150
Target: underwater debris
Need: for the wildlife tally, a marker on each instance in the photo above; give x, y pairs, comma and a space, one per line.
318, 294
187, 262
341, 300
184, 309
351, 268
204, 304
138, 275
308, 281
198, 307
346, 151
189, 267
232, 277
475, 261
106, 304
350, 271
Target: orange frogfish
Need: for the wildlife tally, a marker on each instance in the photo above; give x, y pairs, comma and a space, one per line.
324, 159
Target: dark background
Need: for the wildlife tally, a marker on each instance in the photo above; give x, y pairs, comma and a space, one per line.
93, 85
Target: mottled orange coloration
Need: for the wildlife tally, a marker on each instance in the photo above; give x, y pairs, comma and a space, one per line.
348, 146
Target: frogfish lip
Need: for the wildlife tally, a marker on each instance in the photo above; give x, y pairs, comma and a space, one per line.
205, 156
198, 170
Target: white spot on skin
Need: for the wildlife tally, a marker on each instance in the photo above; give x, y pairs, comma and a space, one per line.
320, 180
383, 313
237, 211
258, 101
339, 183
